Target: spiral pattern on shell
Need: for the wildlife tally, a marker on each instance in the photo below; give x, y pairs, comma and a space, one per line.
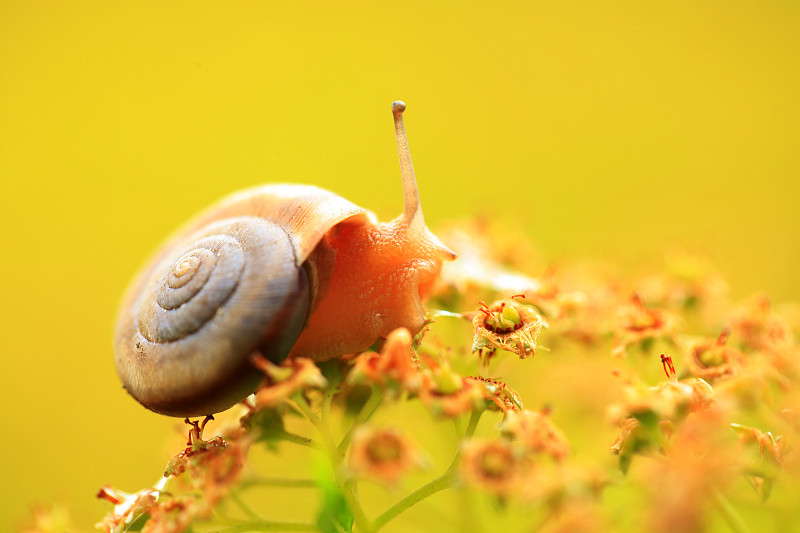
228, 290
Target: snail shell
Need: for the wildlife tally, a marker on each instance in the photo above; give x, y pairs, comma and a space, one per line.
280, 270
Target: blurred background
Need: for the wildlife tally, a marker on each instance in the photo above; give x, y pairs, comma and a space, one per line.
611, 130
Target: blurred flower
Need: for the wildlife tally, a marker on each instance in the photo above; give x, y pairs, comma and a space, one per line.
536, 433
492, 465
761, 469
669, 400
554, 300
685, 281
55, 519
507, 325
382, 455
483, 269
284, 380
174, 515
711, 359
766, 442
758, 326
394, 369
693, 468
636, 323
447, 394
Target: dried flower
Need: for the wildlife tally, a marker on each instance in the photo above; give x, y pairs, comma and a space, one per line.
127, 507
213, 465
382, 454
536, 433
394, 369
284, 380
501, 397
506, 325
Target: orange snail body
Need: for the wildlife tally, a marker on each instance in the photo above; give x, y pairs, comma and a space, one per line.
281, 270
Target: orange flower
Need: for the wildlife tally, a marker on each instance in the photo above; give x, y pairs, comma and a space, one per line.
382, 455
507, 325
281, 382
447, 394
492, 465
712, 359
758, 326
394, 369
636, 323
536, 433
669, 400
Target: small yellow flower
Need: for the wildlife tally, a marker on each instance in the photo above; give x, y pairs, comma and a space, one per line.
382, 455
507, 325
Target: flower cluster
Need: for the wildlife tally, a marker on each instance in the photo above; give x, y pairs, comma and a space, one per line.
726, 410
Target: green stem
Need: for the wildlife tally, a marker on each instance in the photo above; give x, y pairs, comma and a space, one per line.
446, 480
244, 506
336, 459
472, 425
302, 406
300, 440
269, 525
442, 482
369, 408
729, 513
278, 482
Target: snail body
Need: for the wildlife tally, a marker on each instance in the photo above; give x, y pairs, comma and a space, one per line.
278, 270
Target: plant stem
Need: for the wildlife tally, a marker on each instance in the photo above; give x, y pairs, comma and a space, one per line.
300, 440
244, 506
370, 406
268, 525
472, 425
336, 459
278, 482
729, 513
446, 480
442, 482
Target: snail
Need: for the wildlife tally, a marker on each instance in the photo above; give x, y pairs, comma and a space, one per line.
278, 270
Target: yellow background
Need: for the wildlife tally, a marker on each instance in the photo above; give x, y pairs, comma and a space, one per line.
611, 129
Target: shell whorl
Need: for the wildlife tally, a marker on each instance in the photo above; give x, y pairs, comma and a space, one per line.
226, 290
